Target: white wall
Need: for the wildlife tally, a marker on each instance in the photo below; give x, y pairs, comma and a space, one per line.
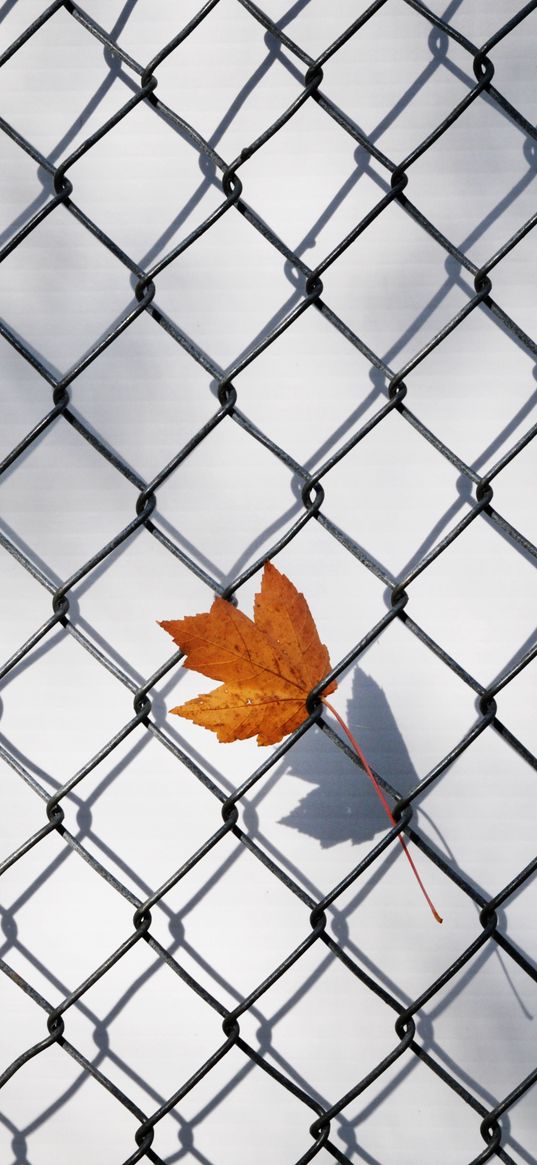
141, 813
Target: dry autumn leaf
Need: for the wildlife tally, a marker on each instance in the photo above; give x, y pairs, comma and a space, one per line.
268, 665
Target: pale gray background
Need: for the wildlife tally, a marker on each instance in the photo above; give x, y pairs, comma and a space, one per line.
230, 500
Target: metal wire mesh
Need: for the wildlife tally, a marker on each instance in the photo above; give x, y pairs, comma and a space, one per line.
225, 176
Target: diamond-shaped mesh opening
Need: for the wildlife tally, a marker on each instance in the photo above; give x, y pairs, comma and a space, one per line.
52, 270
112, 172
398, 98
256, 80
60, 116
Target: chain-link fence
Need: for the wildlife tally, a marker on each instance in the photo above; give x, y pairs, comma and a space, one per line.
307, 931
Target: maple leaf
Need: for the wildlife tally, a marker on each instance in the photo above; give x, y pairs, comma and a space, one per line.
268, 665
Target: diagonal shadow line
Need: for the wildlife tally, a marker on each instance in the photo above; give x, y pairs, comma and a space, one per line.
115, 72
457, 280
247, 83
257, 544
102, 1027
275, 53
26, 214
133, 988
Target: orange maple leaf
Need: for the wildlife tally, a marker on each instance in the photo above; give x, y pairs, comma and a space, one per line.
269, 664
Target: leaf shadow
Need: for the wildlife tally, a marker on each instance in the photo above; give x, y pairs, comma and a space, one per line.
341, 806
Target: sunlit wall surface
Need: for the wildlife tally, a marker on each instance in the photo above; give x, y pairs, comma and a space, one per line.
268, 292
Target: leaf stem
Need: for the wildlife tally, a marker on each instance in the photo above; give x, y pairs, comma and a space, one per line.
383, 802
